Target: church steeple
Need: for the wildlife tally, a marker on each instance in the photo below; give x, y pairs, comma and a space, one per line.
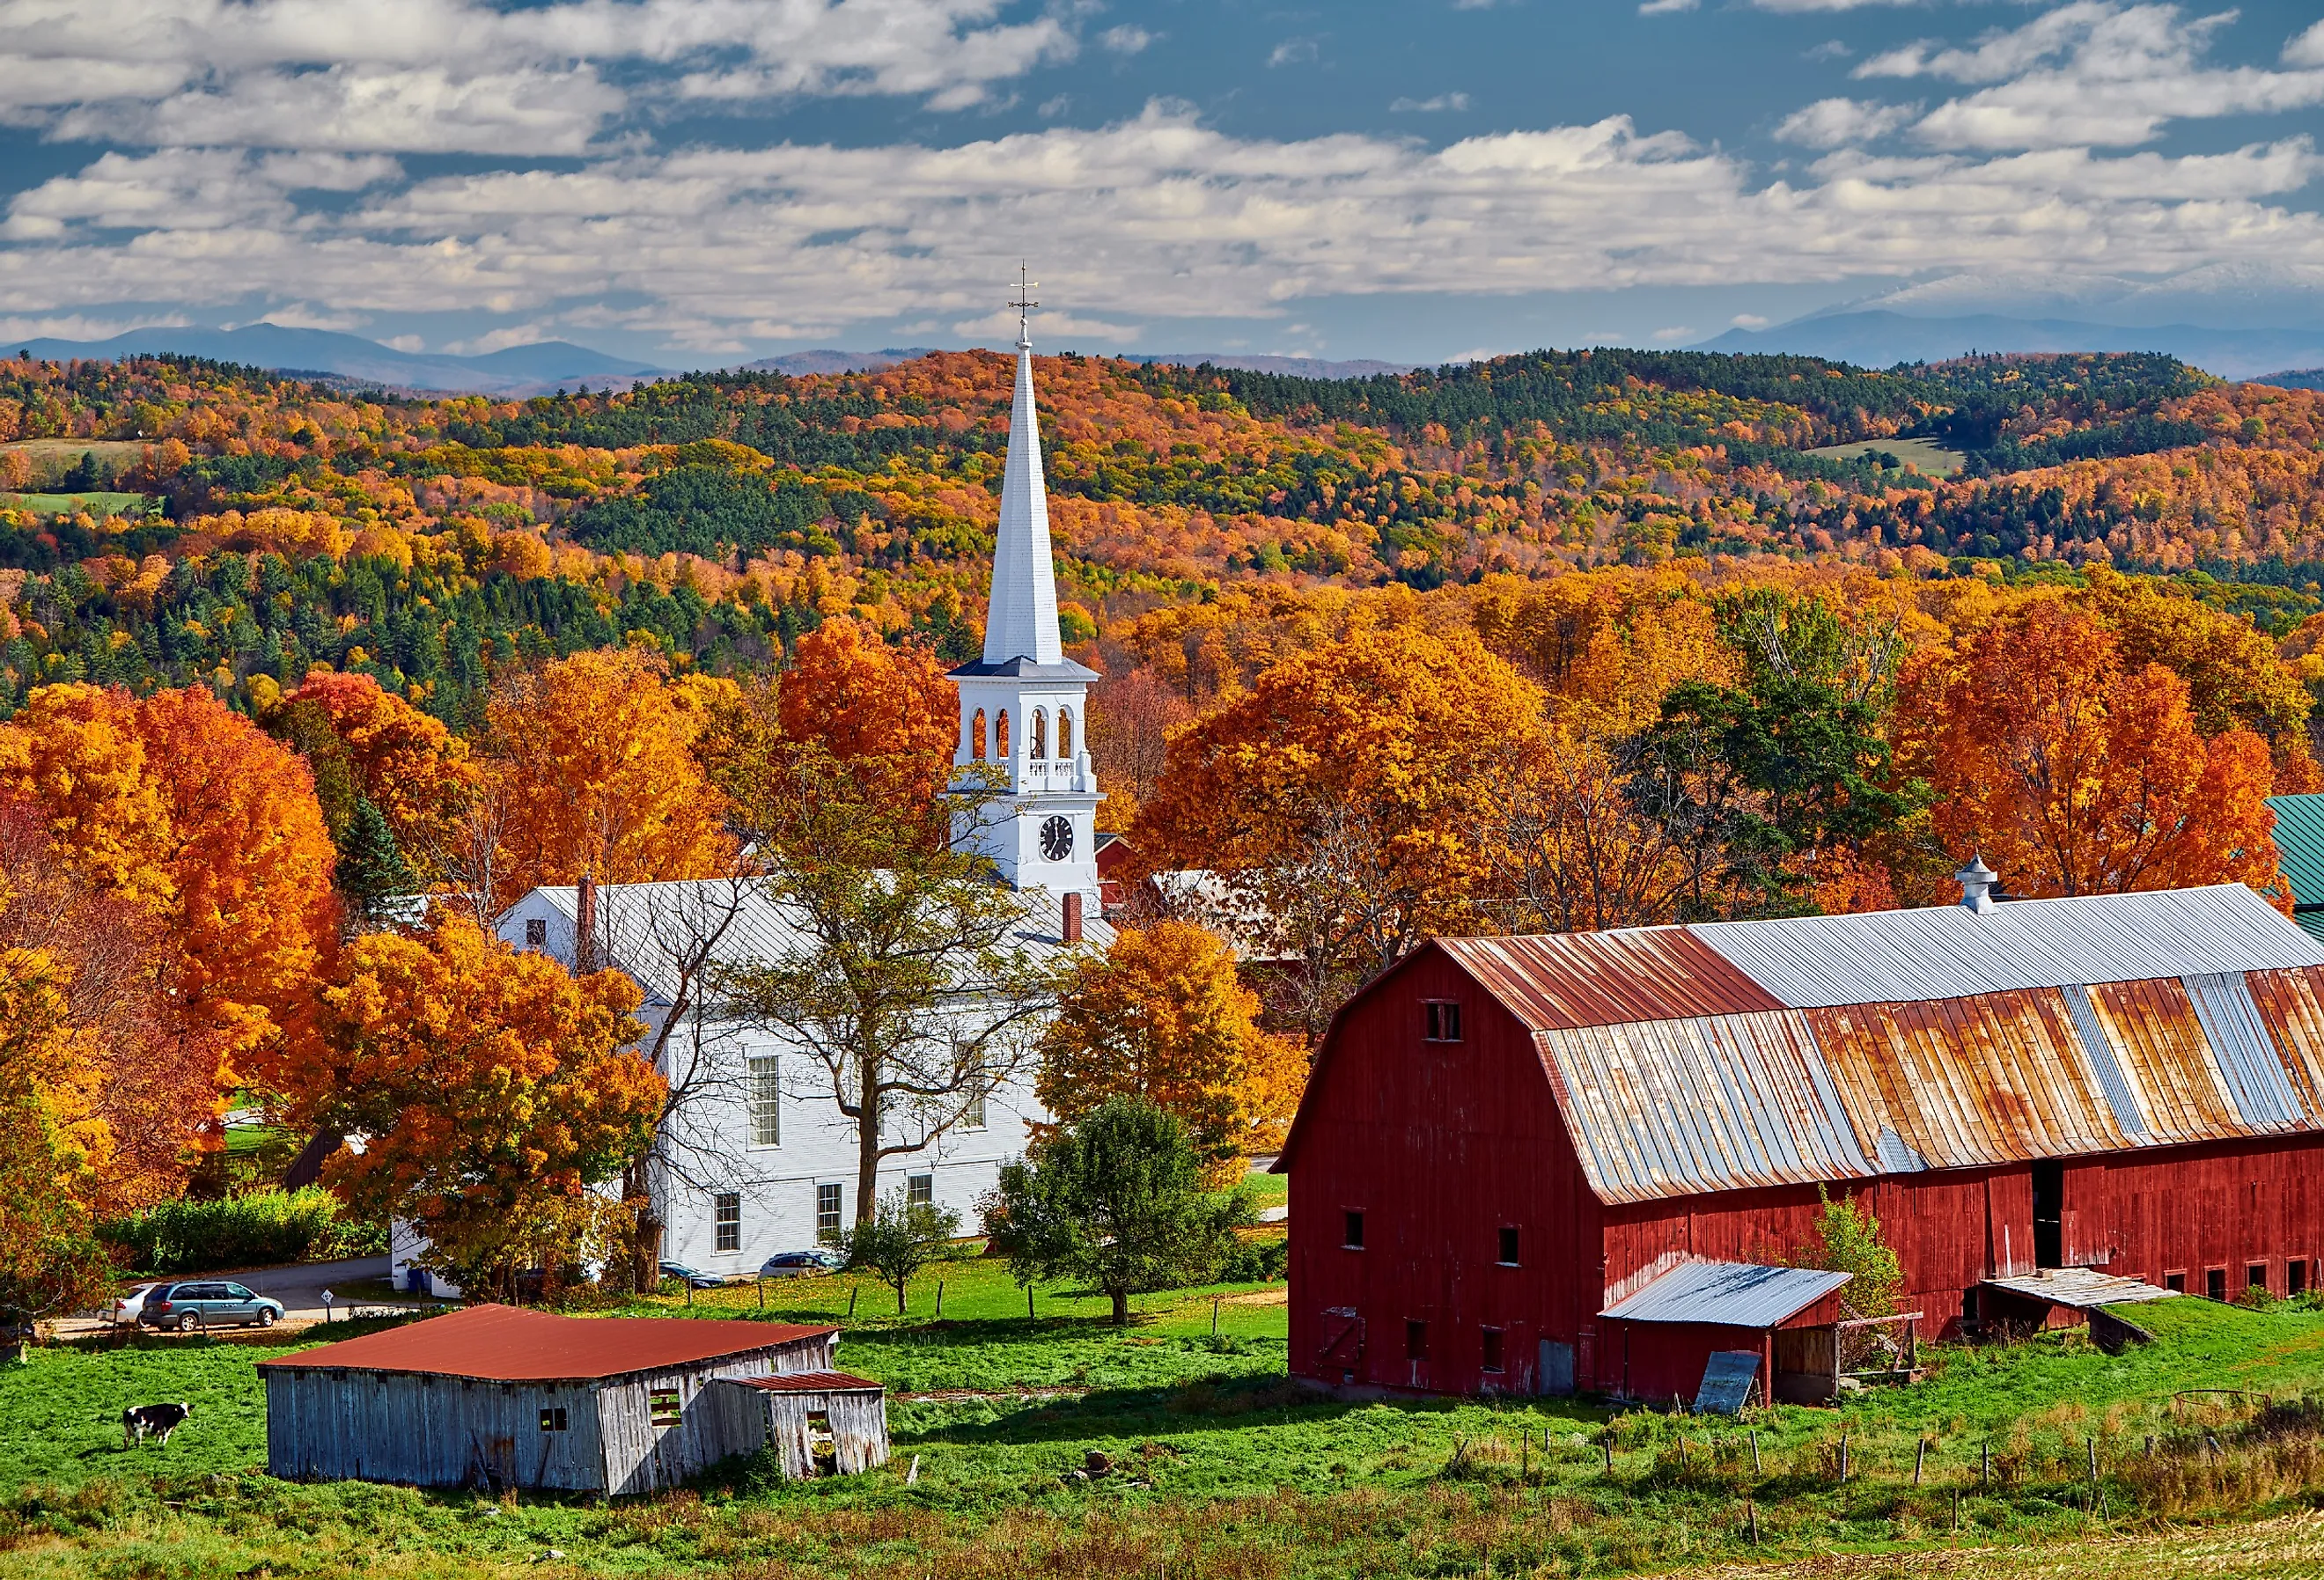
1024, 713
1021, 622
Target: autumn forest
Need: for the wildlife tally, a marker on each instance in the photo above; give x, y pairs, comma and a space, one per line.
1566, 641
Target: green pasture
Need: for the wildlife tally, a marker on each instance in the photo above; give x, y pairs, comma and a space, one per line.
100, 504
1924, 455
1222, 1467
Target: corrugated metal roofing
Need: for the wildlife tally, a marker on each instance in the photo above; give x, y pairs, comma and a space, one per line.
1949, 951
2299, 844
508, 1343
1558, 980
2083, 1288
1738, 1054
1734, 1294
647, 927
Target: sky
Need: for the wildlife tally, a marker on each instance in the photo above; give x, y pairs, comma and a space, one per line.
696, 182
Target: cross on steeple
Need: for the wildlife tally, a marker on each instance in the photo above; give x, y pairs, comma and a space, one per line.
1024, 304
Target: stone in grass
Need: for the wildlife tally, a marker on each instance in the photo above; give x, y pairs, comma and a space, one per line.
1097, 1464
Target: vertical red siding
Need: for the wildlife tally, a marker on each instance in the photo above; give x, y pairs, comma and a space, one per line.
1439, 1145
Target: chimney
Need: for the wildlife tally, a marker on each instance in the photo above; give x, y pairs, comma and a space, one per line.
1074, 916
1978, 883
584, 927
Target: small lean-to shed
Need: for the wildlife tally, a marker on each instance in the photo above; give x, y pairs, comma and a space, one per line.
804, 1416
1659, 1339
496, 1396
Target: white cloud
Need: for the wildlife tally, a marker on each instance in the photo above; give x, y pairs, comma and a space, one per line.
2306, 48
1154, 216
1834, 122
1443, 101
439, 75
1675, 332
2092, 73
1797, 6
1664, 7
1293, 52
15, 331
1056, 328
1830, 50
412, 343
306, 315
501, 339
1748, 322
1125, 40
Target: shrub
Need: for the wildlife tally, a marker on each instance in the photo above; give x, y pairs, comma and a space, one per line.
1256, 1262
258, 1230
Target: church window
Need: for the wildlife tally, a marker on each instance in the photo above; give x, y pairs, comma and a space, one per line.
1001, 735
976, 737
1065, 735
1040, 733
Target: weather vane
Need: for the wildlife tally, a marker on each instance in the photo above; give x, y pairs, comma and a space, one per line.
1024, 304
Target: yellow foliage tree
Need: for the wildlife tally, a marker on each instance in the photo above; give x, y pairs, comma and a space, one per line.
1162, 1015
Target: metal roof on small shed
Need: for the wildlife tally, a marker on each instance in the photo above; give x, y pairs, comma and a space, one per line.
809, 1383
2299, 836
1732, 1294
507, 1344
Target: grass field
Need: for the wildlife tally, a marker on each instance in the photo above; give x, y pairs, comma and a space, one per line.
1230, 1471
1926, 455
98, 504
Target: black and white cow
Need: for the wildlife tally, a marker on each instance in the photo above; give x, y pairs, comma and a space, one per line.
141, 1421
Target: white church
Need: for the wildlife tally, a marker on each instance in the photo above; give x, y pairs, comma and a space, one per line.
764, 1161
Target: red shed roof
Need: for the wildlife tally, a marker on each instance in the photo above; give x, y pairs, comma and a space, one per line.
506, 1344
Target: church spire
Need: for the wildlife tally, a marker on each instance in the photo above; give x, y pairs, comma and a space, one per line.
1022, 620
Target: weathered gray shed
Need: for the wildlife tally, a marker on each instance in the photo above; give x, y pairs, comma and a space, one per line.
804, 1415
497, 1396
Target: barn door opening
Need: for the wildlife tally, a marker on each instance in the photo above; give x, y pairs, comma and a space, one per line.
2049, 1214
822, 1448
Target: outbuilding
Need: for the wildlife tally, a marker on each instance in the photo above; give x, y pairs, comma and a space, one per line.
498, 1396
1505, 1140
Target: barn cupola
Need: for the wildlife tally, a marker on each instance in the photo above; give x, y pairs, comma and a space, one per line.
1979, 883
1024, 705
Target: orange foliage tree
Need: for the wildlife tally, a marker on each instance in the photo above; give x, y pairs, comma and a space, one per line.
2076, 773
1347, 797
406, 764
495, 1093
590, 769
1162, 1015
888, 709
188, 810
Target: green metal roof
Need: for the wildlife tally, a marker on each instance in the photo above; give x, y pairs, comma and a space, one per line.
2300, 846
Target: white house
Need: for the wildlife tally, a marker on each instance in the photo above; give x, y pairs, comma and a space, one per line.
764, 1161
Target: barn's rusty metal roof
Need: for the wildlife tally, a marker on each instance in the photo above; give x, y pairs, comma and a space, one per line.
1732, 1294
1557, 980
508, 1343
1738, 1054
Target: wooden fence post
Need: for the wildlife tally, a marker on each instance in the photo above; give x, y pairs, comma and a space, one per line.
1751, 1512
1985, 1465
1920, 1457
1755, 1453
852, 1293
940, 1299
1843, 1456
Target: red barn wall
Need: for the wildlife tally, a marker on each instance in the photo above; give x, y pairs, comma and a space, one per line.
1439, 1145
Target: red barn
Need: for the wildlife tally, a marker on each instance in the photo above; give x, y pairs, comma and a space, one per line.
1504, 1138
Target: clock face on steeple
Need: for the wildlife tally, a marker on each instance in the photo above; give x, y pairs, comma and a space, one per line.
1058, 838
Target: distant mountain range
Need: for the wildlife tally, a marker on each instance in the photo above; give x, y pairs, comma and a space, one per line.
520, 370
1882, 339
2306, 378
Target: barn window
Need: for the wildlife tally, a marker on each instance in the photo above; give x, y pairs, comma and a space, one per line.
2255, 1276
920, 1189
1492, 1349
664, 1407
2175, 1282
1508, 1247
1353, 1236
1416, 1340
536, 933
826, 1209
553, 1419
766, 1100
2295, 1277
2215, 1283
1444, 1019
727, 1221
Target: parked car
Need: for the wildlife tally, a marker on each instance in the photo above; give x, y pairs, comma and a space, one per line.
123, 1312
692, 1275
209, 1303
792, 1264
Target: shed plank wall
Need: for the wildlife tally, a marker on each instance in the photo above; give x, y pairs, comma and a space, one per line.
641, 1458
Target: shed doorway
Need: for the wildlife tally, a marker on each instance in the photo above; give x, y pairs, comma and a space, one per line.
2049, 1214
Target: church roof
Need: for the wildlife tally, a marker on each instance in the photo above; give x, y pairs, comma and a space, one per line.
1021, 620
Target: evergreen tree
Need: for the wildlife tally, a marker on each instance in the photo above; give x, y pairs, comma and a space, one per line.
371, 869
